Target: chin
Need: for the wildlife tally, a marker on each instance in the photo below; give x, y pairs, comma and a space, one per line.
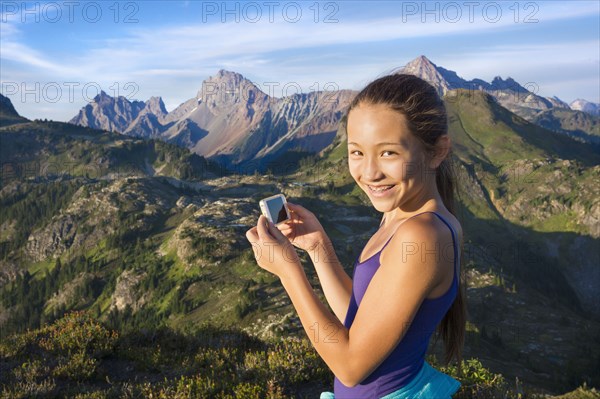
384, 205
381, 207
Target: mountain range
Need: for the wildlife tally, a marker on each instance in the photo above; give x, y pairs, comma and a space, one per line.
229, 120
233, 122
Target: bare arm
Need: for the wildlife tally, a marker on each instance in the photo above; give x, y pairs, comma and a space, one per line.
305, 232
353, 354
336, 283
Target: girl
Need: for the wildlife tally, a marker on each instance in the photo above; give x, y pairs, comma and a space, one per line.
407, 280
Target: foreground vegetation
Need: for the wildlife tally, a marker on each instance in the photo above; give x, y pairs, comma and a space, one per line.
148, 239
79, 357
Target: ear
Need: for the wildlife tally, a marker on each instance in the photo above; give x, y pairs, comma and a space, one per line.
441, 150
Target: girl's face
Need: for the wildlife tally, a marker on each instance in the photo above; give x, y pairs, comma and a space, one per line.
384, 155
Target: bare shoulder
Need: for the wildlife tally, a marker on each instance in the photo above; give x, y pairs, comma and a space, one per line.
454, 222
422, 234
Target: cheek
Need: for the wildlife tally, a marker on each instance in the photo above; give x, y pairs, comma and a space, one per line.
353, 167
413, 170
396, 169
409, 170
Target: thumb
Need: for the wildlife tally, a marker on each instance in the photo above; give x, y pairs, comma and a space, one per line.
276, 233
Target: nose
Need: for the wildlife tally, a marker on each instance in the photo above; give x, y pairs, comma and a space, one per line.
372, 171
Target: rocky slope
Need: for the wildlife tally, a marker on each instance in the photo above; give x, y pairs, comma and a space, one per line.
585, 106
230, 120
579, 125
149, 234
8, 114
108, 113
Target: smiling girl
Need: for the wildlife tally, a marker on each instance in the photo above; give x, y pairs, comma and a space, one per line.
407, 281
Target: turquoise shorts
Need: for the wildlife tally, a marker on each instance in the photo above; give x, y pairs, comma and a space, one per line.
429, 383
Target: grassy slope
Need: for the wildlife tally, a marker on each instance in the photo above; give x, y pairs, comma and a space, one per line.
223, 293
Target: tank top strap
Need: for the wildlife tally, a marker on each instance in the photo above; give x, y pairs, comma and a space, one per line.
389, 239
452, 232
454, 241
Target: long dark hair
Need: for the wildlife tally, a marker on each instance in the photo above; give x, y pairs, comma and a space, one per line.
425, 113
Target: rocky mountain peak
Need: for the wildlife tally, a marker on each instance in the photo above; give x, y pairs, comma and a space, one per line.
109, 113
585, 106
526, 104
427, 70
101, 99
102, 96
105, 100
226, 88
509, 84
156, 106
421, 65
225, 75
226, 80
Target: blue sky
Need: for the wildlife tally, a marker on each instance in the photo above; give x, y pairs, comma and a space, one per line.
55, 56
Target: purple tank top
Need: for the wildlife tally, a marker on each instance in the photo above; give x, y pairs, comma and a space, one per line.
405, 361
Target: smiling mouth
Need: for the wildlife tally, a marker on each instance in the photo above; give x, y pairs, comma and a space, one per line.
380, 189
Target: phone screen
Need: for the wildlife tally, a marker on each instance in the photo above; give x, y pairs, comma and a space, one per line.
277, 210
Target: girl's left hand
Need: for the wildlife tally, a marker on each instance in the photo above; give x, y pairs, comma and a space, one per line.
273, 251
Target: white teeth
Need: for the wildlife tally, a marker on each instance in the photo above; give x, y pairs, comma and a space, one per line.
378, 190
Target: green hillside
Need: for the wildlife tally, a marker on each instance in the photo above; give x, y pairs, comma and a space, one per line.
149, 239
8, 114
577, 124
486, 130
52, 149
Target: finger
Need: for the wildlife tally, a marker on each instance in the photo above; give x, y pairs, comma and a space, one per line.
274, 231
298, 209
251, 234
295, 215
263, 229
288, 223
293, 207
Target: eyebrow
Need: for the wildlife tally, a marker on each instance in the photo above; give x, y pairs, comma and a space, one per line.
377, 145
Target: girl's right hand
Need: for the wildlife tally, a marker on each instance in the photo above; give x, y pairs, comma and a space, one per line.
303, 229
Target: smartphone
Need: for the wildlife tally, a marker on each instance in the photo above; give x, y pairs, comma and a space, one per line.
275, 208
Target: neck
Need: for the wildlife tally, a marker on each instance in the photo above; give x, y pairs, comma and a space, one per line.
427, 200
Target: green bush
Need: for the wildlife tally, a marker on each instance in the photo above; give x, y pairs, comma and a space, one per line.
197, 386
78, 333
299, 356
248, 390
29, 381
78, 367
476, 381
